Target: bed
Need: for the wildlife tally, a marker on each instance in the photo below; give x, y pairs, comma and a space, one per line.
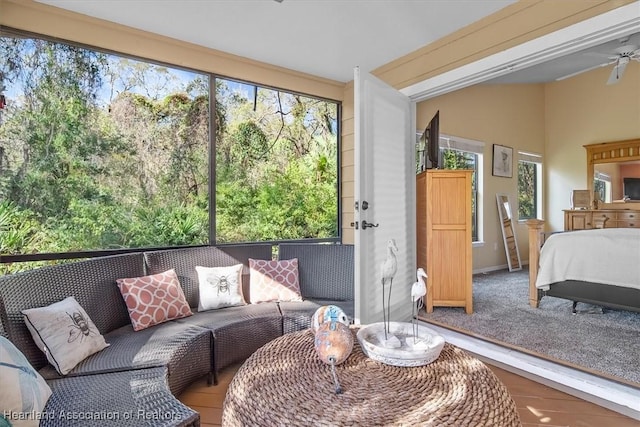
599, 266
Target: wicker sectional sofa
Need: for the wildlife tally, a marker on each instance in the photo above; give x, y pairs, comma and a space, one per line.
135, 379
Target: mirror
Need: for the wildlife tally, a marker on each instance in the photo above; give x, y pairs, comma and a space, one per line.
608, 179
608, 163
508, 232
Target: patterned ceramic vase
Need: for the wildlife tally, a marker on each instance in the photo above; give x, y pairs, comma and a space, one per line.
333, 342
328, 313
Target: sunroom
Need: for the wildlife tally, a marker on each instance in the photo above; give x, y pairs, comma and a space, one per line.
463, 73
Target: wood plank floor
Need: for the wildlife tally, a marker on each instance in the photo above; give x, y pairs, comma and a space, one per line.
538, 405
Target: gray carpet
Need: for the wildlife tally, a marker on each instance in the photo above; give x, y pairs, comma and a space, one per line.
605, 342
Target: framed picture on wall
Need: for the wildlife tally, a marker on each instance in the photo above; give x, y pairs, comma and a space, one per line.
502, 161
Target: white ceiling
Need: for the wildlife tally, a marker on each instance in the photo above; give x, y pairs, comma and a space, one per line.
326, 38
582, 61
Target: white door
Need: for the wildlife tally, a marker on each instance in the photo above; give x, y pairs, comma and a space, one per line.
385, 179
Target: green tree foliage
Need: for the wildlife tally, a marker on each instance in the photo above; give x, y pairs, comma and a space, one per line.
101, 152
527, 190
457, 159
276, 166
51, 142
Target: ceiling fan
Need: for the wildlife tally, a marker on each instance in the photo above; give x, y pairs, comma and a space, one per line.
624, 54
619, 57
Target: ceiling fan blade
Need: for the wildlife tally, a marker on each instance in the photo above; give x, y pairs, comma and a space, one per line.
604, 64
601, 55
617, 72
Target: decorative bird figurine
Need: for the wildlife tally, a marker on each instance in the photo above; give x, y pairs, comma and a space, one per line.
418, 290
389, 269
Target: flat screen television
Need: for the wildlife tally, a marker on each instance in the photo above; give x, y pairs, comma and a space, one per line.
631, 188
431, 137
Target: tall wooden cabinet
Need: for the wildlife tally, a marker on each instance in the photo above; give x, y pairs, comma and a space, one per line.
443, 214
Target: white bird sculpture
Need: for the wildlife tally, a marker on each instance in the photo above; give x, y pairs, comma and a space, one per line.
418, 291
389, 269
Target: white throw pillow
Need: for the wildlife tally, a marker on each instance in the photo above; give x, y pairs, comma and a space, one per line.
219, 287
64, 332
23, 392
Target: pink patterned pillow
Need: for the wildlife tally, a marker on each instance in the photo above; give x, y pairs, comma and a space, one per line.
154, 299
273, 280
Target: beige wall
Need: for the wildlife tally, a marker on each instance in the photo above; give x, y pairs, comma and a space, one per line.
509, 115
579, 111
347, 166
554, 119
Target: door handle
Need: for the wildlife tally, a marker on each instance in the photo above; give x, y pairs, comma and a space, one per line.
366, 225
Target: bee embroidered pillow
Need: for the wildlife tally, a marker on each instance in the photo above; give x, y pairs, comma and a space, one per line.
64, 332
219, 287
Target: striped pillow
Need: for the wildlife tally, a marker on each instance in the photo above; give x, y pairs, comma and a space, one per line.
23, 392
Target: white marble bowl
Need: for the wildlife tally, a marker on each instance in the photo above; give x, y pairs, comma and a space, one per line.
399, 348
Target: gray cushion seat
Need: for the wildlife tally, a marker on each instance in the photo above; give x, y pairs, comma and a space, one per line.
238, 331
111, 380
178, 346
91, 282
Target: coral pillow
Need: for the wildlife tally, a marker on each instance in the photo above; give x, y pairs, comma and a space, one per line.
154, 299
274, 280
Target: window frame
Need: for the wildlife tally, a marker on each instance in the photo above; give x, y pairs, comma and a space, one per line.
477, 148
608, 186
6, 31
538, 161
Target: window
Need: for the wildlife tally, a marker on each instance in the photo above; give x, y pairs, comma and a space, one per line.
602, 186
460, 153
102, 152
276, 167
529, 186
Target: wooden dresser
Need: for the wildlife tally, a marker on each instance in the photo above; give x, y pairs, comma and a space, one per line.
601, 218
444, 237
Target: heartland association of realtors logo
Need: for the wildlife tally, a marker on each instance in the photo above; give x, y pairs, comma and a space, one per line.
7, 418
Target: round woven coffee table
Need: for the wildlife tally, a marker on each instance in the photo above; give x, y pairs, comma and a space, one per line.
284, 383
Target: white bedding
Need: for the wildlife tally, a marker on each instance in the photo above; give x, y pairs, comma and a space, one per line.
609, 255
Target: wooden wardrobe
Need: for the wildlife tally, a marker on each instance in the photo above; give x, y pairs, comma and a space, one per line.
443, 213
